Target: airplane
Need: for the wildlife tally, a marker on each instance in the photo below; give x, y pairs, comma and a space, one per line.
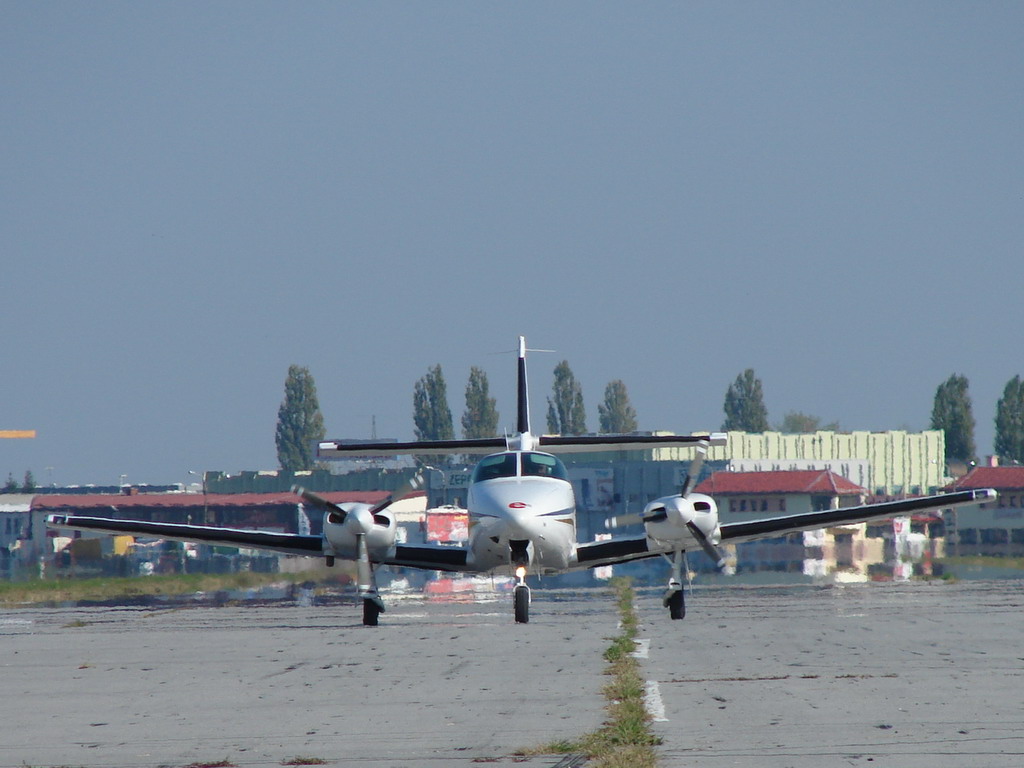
522, 515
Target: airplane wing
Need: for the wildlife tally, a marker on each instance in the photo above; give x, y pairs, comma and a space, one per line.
734, 533
429, 557
625, 549
286, 543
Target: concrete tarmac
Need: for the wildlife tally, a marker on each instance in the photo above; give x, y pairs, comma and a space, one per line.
915, 675
436, 684
908, 675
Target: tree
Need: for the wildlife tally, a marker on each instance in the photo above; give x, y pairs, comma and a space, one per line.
11, 486
566, 414
480, 418
796, 422
744, 405
1010, 422
430, 412
952, 413
29, 486
299, 422
616, 414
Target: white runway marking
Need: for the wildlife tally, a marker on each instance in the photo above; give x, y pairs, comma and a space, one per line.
652, 700
643, 649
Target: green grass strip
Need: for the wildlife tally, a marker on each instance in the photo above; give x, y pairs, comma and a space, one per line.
114, 588
626, 739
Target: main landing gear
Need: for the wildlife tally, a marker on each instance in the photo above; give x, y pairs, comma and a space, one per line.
674, 598
372, 608
521, 597
675, 601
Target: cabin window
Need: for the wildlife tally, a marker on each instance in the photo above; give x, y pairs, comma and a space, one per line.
543, 465
498, 465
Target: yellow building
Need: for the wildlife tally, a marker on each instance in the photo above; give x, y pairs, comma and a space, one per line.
900, 462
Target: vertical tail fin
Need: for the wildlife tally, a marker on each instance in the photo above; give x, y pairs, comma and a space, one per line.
523, 420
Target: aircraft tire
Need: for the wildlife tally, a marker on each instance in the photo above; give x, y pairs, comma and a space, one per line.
676, 605
521, 602
371, 612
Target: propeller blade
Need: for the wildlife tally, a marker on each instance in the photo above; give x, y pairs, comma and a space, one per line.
710, 549
634, 519
319, 502
693, 472
411, 485
621, 520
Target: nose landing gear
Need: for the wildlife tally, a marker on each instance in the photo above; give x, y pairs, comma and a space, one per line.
674, 598
521, 597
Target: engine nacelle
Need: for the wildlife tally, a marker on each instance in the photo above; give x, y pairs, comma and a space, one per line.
668, 518
341, 535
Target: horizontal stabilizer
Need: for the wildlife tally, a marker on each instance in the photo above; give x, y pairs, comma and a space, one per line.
330, 448
581, 443
549, 443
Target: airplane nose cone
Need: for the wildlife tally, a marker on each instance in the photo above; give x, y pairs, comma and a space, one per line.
360, 519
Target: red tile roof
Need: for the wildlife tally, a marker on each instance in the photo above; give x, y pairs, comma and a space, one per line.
789, 481
1000, 478
57, 502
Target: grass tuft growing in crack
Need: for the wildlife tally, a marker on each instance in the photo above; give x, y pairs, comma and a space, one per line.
626, 739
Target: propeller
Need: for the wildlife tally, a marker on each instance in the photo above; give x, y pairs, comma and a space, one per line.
659, 513
338, 514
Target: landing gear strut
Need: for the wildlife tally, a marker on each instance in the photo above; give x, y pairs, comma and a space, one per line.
366, 583
521, 597
674, 598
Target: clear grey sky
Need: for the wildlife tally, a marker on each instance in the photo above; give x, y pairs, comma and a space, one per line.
196, 195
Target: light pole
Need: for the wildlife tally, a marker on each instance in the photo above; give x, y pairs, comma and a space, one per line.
206, 506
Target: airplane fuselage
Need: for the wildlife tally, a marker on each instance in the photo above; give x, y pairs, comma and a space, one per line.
522, 512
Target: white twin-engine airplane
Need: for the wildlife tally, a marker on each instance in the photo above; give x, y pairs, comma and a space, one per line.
522, 515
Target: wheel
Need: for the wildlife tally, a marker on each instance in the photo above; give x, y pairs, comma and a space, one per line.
676, 604
521, 599
370, 613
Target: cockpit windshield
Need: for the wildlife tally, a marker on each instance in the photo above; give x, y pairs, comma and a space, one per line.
543, 465
533, 465
498, 465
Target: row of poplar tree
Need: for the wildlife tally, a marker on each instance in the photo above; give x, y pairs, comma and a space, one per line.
300, 424
432, 417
